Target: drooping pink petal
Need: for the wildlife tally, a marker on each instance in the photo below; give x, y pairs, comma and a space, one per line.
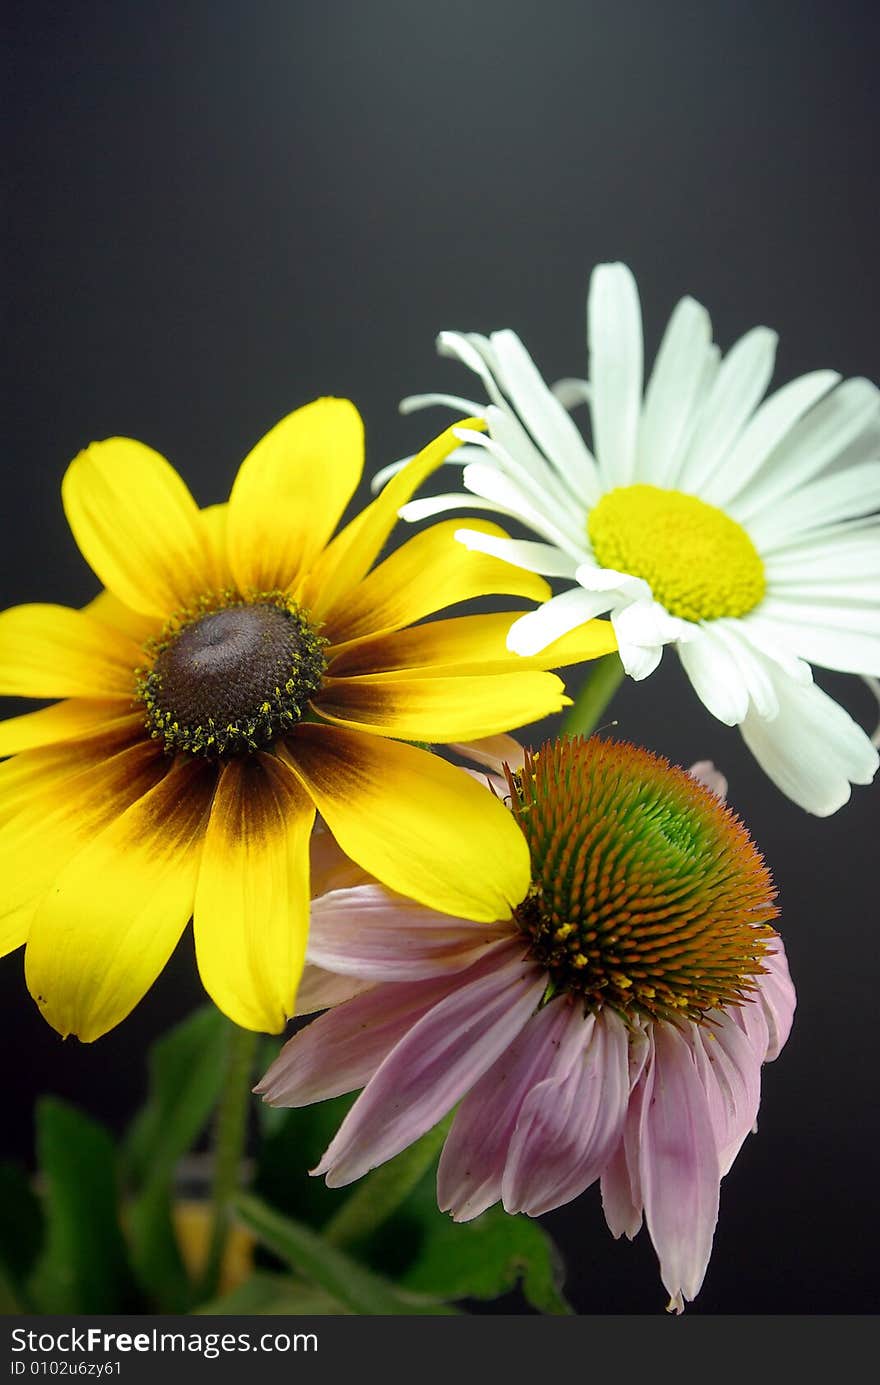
492, 751
678, 1166
330, 868
371, 932
751, 1018
778, 999
321, 990
621, 1201
730, 1072
621, 1183
705, 772
438, 1060
340, 1051
472, 1162
570, 1124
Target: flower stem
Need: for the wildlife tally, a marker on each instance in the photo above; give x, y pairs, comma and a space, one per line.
229, 1144
604, 679
382, 1191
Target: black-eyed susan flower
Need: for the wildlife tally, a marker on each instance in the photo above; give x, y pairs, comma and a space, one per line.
742, 532
242, 669
611, 1026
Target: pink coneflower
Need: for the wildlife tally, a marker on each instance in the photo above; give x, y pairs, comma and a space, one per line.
612, 1028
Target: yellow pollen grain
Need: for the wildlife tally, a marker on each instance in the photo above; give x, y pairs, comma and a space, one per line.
699, 563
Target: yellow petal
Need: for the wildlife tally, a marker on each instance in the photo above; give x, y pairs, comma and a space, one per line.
55, 815
467, 644
352, 553
48, 769
64, 721
214, 520
291, 491
53, 651
419, 825
137, 526
463, 708
114, 914
252, 900
429, 572
109, 610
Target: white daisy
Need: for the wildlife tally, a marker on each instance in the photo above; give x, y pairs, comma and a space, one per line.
744, 533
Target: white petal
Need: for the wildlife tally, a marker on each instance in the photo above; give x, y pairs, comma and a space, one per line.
813, 749
571, 392
771, 423
742, 378
642, 629
826, 635
489, 482
820, 437
432, 505
606, 579
764, 639
533, 632
616, 357
461, 348
843, 495
566, 490
758, 683
673, 393
543, 415
715, 676
532, 557
468, 408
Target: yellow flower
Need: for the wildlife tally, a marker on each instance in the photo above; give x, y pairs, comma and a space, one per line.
241, 670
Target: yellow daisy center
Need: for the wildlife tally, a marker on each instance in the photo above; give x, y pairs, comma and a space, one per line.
647, 893
699, 563
232, 676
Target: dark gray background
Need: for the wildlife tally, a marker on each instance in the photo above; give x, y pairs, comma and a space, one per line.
219, 211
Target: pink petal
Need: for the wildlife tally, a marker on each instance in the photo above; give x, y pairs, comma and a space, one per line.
621, 1183
372, 933
710, 777
331, 869
730, 1073
492, 751
320, 990
340, 1051
678, 1165
621, 1201
778, 999
437, 1061
571, 1123
751, 1018
472, 1162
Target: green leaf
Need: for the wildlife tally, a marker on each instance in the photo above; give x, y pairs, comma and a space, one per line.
379, 1194
83, 1267
358, 1288
21, 1224
276, 1294
186, 1072
288, 1151
487, 1257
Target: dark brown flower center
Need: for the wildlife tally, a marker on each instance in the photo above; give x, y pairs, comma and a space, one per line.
234, 679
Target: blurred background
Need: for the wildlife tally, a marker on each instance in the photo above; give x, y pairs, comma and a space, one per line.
219, 211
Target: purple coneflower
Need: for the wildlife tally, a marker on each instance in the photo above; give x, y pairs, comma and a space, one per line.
612, 1028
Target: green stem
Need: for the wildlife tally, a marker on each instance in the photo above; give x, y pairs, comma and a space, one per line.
605, 677
382, 1191
229, 1145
